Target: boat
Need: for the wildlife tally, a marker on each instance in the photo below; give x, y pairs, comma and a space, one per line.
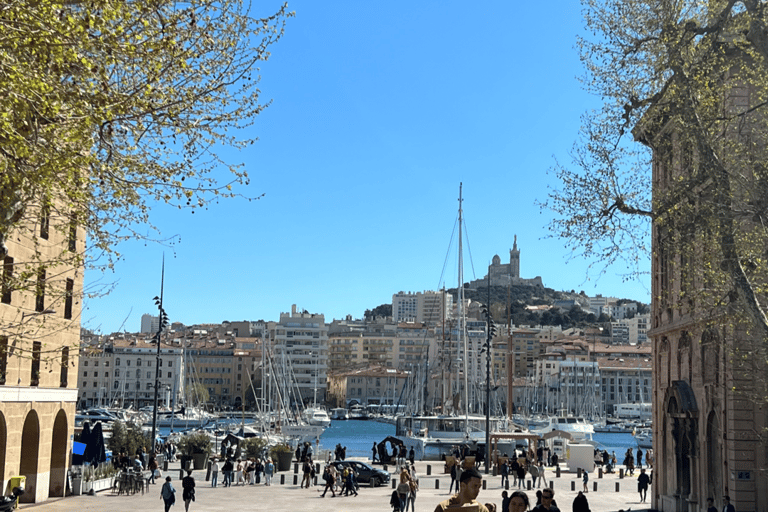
644, 438
339, 413
563, 430
358, 412
434, 437
316, 416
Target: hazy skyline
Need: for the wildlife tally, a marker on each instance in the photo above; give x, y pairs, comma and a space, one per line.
379, 111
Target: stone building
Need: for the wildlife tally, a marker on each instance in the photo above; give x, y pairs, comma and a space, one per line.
505, 274
709, 414
39, 338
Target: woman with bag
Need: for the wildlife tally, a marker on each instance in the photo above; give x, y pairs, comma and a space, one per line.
168, 494
152, 466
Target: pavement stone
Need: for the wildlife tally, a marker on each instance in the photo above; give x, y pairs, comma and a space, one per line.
289, 497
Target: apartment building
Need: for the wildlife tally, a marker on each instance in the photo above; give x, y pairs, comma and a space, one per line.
374, 385
299, 343
428, 307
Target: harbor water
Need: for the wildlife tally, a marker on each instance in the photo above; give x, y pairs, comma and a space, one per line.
359, 436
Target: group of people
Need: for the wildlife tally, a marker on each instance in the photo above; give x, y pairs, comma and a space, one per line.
404, 495
519, 468
242, 471
342, 482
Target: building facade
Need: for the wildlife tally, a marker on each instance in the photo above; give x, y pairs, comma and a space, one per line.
39, 340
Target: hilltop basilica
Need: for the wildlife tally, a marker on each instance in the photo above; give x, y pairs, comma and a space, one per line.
504, 274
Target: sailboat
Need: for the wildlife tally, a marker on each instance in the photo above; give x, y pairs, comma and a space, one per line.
433, 437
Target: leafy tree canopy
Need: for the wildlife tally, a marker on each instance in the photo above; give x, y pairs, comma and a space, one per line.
686, 81
107, 107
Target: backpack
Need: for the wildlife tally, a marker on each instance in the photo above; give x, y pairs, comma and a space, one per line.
326, 475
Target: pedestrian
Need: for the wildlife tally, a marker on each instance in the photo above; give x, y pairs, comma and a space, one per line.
228, 469
215, 473
533, 470
542, 477
639, 459
239, 472
373, 453
504, 501
394, 501
711, 505
547, 501
258, 469
414, 483
555, 459
580, 503
269, 470
330, 480
306, 469
298, 453
152, 466
454, 480
470, 482
188, 490
728, 507
513, 468
518, 502
585, 479
411, 455
520, 475
168, 494
642, 484
504, 478
404, 490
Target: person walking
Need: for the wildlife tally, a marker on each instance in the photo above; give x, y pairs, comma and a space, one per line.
404, 490
228, 469
188, 490
542, 477
520, 475
642, 484
306, 470
152, 466
547, 501
168, 494
580, 503
269, 470
373, 453
454, 479
414, 483
727, 506
585, 479
518, 502
504, 477
329, 477
533, 470
470, 482
215, 473
239, 472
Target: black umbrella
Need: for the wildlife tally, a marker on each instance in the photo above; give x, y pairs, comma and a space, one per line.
96, 450
85, 436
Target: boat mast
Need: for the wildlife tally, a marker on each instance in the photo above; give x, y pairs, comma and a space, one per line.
462, 323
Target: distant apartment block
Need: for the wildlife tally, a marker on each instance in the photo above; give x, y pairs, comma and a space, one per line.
426, 307
299, 343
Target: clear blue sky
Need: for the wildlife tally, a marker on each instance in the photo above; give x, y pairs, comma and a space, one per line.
380, 110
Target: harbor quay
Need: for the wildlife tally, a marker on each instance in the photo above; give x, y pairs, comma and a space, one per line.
611, 494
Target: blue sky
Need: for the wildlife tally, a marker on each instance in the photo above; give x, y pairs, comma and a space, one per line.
380, 110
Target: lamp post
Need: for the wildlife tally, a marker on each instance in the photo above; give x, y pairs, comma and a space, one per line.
162, 322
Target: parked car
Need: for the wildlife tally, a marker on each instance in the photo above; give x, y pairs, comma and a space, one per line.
366, 474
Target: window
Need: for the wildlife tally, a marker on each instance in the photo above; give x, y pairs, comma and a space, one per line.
40, 290
116, 385
95, 374
7, 277
149, 375
117, 372
170, 375
85, 363
138, 374
117, 362
138, 362
85, 374
69, 294
128, 362
106, 375
34, 378
45, 220
72, 240
3, 358
170, 363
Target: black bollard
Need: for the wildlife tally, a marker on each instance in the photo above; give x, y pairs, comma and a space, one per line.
600, 472
573, 485
207, 472
617, 486
429, 469
437, 483
557, 471
594, 486
282, 479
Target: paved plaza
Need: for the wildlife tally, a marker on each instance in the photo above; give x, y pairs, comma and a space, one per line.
289, 497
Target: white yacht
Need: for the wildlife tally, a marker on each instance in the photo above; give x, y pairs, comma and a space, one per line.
317, 416
339, 413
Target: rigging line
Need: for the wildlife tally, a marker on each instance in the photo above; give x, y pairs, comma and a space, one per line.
448, 253
469, 249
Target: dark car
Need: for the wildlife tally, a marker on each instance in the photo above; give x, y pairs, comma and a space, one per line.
365, 473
